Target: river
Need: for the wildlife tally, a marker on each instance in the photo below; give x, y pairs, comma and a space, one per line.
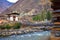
30, 36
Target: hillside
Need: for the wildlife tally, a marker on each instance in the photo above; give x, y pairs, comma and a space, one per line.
4, 5
27, 6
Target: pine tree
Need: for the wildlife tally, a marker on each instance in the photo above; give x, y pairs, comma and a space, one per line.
49, 15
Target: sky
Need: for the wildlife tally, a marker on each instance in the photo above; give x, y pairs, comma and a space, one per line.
4, 4
12, 1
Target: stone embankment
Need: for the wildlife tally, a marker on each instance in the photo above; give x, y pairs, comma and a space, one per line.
17, 31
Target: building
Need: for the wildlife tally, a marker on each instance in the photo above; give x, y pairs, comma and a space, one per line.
13, 17
56, 11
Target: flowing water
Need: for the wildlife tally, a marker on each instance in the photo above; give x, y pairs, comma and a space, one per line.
31, 36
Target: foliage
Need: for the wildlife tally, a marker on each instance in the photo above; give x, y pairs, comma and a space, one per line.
42, 16
2, 27
7, 26
49, 15
17, 25
37, 18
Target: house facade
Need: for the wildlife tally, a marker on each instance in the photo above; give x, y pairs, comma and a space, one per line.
13, 17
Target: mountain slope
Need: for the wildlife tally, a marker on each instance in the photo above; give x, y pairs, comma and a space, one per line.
4, 4
27, 5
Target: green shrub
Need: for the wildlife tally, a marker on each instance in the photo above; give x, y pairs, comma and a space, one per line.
40, 17
49, 15
37, 18
17, 25
2, 27
7, 26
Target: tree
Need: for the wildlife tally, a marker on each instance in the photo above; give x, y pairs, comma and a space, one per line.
37, 17
40, 17
43, 15
49, 15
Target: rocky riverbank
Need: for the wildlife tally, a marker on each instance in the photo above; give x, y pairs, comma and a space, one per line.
9, 32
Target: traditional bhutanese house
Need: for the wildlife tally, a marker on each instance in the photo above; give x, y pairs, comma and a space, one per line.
13, 16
